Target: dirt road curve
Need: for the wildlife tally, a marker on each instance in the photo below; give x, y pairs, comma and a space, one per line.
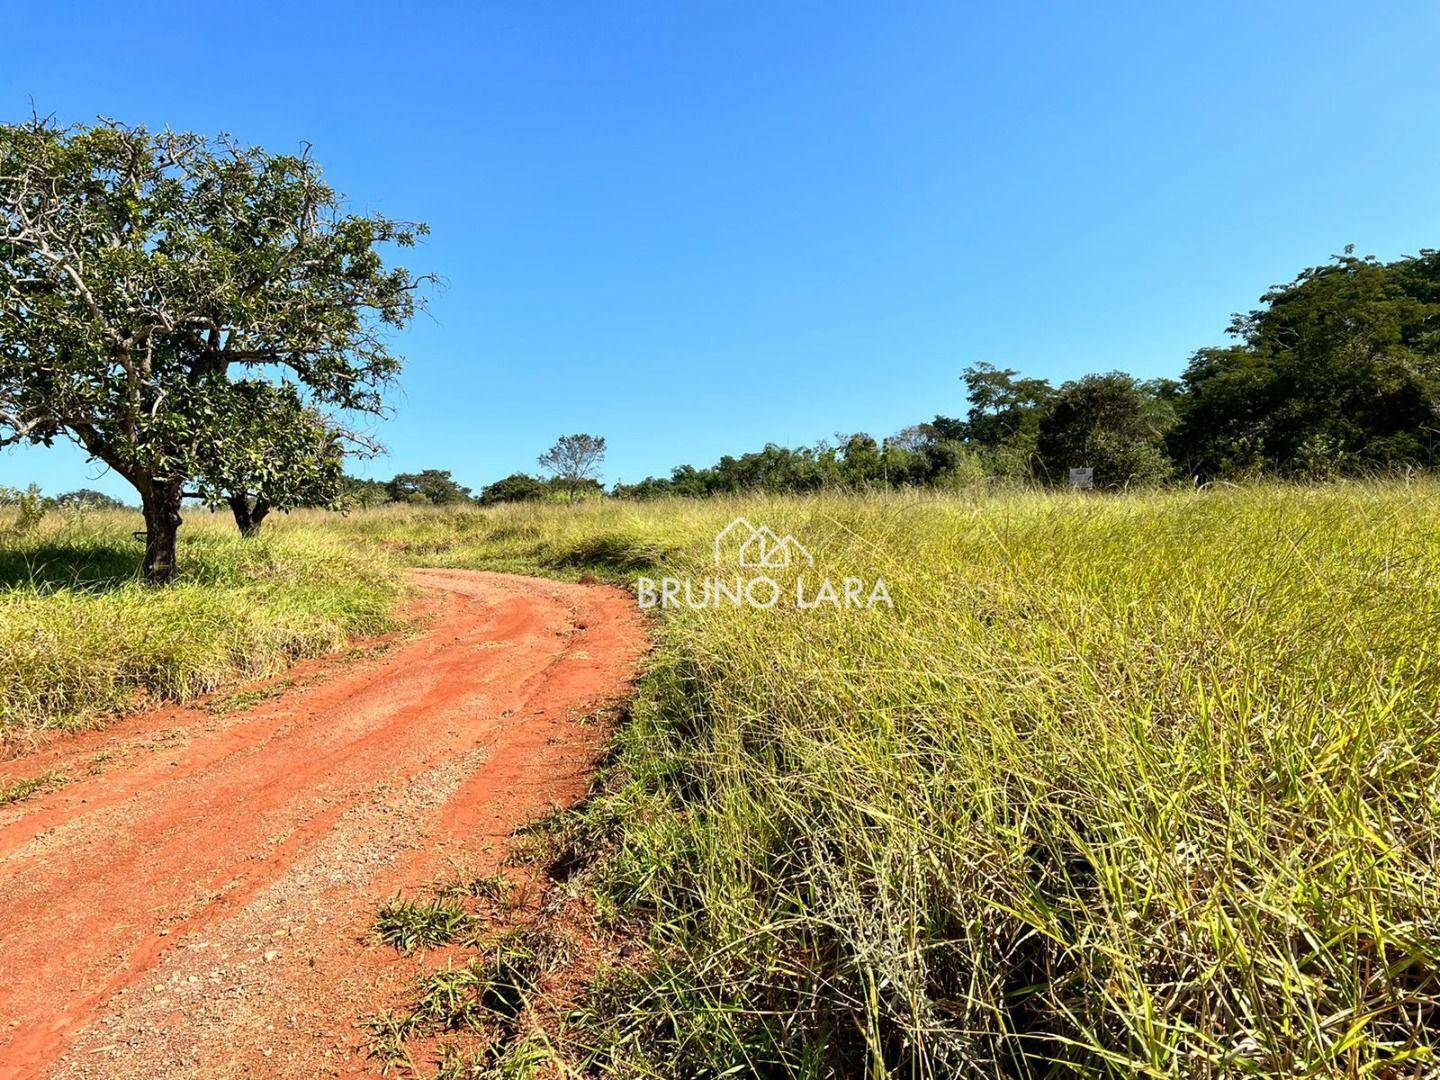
196, 899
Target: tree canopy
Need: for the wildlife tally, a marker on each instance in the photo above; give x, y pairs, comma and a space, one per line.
1113, 424
87, 499
434, 486
574, 460
1338, 371
141, 271
273, 453
517, 487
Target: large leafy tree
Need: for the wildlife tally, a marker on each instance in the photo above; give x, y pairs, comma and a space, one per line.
1337, 371
517, 487
362, 494
1112, 423
88, 499
150, 282
434, 486
1004, 408
1003, 419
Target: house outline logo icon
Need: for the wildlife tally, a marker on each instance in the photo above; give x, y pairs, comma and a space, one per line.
760, 547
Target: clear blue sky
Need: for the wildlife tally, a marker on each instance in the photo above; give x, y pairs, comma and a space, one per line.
698, 228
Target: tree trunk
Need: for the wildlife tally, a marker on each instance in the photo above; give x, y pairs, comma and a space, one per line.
160, 503
249, 513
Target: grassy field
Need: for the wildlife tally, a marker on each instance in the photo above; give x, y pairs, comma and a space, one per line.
1136, 785
81, 637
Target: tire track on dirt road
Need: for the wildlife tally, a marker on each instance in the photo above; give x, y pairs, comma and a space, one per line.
197, 902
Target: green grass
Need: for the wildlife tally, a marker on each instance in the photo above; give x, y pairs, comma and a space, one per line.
496, 889
82, 637
407, 925
485, 991
1142, 785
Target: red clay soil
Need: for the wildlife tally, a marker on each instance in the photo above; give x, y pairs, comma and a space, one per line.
197, 899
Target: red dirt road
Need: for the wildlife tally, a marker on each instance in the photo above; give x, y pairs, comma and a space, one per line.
196, 900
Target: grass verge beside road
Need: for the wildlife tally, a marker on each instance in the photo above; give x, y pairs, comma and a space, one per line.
82, 637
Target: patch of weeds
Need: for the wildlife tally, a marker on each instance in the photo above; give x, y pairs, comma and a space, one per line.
519, 1059
521, 530
507, 969
30, 785
617, 552
458, 1064
380, 648
543, 841
490, 986
497, 888
388, 1033
552, 951
449, 1000
408, 925
483, 995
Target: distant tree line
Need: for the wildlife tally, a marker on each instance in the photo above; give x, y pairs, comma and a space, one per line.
436, 487
81, 499
30, 505
1336, 373
573, 464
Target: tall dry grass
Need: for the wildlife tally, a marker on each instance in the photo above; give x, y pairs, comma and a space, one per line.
1143, 785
